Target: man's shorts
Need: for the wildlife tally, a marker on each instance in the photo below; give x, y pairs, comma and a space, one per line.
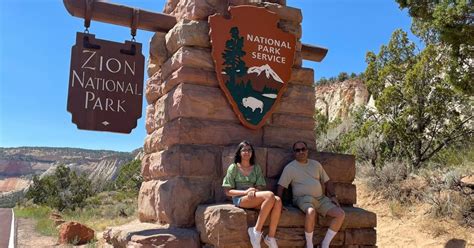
321, 204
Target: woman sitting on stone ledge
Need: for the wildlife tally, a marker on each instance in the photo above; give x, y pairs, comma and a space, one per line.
245, 183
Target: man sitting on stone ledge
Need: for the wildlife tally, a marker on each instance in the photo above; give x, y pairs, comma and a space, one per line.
305, 176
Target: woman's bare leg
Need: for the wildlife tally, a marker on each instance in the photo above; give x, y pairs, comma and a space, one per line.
263, 200
275, 217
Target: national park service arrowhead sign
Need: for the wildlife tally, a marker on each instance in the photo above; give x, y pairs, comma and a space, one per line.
253, 60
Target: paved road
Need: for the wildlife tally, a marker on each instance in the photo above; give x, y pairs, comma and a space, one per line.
5, 226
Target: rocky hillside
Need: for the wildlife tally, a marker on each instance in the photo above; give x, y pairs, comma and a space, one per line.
337, 100
24, 162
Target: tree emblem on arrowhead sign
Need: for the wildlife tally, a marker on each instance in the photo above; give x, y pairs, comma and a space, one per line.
253, 60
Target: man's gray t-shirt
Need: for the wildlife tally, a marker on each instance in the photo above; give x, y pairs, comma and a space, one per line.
305, 179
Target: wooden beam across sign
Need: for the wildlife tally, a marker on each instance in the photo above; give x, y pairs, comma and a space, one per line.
151, 21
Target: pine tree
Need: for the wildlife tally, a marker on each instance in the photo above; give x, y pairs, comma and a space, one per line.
448, 24
234, 65
419, 112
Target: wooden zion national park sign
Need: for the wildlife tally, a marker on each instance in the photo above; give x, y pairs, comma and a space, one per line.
253, 60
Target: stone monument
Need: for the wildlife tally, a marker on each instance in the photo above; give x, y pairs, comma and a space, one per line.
192, 133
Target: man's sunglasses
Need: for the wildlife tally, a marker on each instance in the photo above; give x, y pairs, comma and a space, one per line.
300, 149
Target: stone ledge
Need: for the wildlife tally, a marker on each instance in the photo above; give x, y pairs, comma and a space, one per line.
136, 234
356, 218
224, 225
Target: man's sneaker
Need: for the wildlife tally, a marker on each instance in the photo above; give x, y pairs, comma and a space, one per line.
254, 237
271, 242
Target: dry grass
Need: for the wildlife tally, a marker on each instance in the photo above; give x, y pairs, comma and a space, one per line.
397, 210
439, 187
105, 210
433, 228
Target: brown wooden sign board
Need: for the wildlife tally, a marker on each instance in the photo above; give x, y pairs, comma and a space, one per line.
105, 84
253, 60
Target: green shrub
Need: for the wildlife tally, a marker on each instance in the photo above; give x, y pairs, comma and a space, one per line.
129, 177
63, 189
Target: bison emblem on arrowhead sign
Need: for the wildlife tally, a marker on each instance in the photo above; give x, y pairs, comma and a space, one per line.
253, 60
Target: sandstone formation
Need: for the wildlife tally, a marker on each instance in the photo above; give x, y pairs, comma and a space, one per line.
99, 165
338, 100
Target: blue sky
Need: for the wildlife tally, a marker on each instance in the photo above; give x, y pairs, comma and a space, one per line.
35, 47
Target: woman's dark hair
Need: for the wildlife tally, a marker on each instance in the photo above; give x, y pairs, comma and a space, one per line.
238, 158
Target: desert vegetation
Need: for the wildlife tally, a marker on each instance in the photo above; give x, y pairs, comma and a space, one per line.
415, 145
76, 198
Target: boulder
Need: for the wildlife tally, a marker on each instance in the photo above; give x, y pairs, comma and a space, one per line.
222, 225
75, 233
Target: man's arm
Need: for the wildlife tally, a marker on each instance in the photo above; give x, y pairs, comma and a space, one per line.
280, 191
329, 187
331, 193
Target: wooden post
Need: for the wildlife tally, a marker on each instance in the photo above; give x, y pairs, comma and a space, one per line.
151, 21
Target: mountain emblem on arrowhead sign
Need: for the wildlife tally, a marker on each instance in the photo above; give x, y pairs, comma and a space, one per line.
252, 62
